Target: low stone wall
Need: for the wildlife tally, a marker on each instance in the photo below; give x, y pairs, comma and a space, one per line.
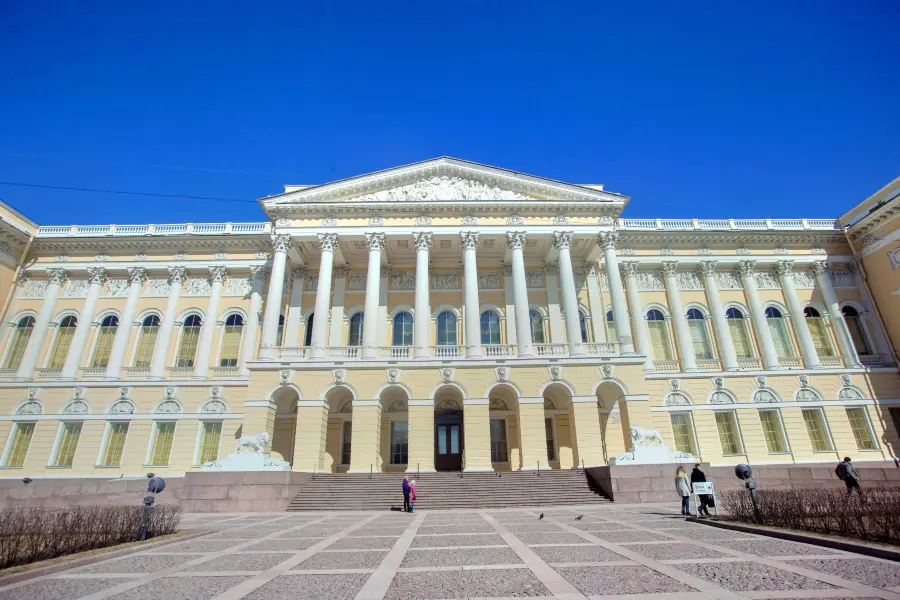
656, 483
195, 492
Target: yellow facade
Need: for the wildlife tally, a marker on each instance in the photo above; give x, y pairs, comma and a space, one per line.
157, 347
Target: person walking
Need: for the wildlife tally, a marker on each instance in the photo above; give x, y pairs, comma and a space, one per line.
412, 496
683, 489
406, 493
698, 476
847, 473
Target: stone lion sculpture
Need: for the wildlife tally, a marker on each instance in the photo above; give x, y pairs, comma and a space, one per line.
255, 444
643, 438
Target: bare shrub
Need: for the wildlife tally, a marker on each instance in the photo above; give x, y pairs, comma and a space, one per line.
875, 516
31, 534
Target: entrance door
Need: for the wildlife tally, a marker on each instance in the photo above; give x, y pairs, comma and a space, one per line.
448, 441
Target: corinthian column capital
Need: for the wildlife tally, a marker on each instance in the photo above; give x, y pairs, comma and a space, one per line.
608, 239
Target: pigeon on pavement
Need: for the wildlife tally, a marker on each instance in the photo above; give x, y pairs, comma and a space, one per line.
542, 516
579, 517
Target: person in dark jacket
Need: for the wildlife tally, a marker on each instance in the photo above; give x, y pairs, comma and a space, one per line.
849, 475
698, 476
406, 493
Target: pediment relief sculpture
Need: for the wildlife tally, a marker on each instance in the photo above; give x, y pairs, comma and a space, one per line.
441, 188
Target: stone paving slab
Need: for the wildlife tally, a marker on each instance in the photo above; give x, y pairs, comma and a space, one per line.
436, 541
620, 580
58, 589
575, 554
774, 547
457, 558
558, 537
364, 543
495, 583
140, 563
877, 573
241, 562
365, 559
310, 587
178, 588
618, 537
674, 551
284, 544
745, 575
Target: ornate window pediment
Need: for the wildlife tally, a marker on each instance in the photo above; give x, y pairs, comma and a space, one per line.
32, 407
850, 393
447, 404
677, 399
169, 407
122, 407
214, 407
807, 394
76, 407
498, 404
765, 395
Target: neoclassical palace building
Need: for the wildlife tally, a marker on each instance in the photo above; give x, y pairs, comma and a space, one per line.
447, 315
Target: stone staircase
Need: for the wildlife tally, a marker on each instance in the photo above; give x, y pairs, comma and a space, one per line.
438, 491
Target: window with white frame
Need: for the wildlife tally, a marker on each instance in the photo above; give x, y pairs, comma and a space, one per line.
356, 330
231, 341
582, 324
683, 432
819, 332
116, 432
610, 327
773, 430
20, 336
854, 325
70, 433
817, 429
499, 450
729, 433
403, 329
62, 342
861, 427
659, 335
210, 436
21, 440
146, 341
446, 329
781, 335
105, 336
537, 327
490, 327
190, 339
699, 334
740, 336
307, 337
399, 442
164, 435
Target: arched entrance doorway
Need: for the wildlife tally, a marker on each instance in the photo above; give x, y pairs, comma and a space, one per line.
394, 442
283, 433
613, 419
448, 429
339, 436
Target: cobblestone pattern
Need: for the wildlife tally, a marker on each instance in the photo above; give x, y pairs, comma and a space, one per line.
579, 553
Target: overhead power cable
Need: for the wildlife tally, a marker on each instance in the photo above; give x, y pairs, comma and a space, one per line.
100, 191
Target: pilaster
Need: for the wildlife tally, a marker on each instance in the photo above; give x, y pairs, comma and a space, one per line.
365, 452
421, 435
309, 441
584, 420
477, 435
532, 434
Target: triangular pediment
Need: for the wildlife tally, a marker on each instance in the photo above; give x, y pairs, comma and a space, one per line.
441, 180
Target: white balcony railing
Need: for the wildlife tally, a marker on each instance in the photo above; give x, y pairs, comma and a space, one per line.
93, 372
292, 352
137, 372
833, 362
343, 351
154, 230
709, 365
448, 351
395, 352
47, 373
551, 349
790, 362
750, 363
225, 372
7, 373
500, 350
871, 360
667, 366
180, 372
727, 224
602, 348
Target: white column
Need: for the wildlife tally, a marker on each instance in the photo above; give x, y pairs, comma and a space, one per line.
295, 308
595, 300
804, 337
422, 318
554, 311
177, 276
641, 333
516, 242
511, 337
85, 320
838, 324
56, 277
682, 331
757, 315
879, 334
248, 343
327, 242
562, 240
471, 307
720, 323
208, 330
375, 243
280, 244
607, 240
336, 325
381, 338
136, 275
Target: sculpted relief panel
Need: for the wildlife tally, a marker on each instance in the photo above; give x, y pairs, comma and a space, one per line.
489, 280
445, 280
403, 280
237, 286
441, 188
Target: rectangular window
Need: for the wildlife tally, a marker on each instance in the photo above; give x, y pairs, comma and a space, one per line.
399, 442
454, 439
61, 348
209, 441
659, 340
738, 330
190, 337
781, 337
103, 347
68, 443
611, 332
683, 431
700, 339
729, 435
498, 441
442, 440
551, 443
820, 336
817, 430
772, 430
21, 335
146, 346
162, 445
21, 441
115, 444
862, 428
231, 345
346, 439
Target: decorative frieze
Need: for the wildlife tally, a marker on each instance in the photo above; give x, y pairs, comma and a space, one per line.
196, 286
311, 284
76, 288
116, 288
489, 280
441, 188
157, 288
689, 281
34, 288
766, 280
403, 280
648, 281
841, 278
727, 280
356, 282
238, 286
534, 279
445, 280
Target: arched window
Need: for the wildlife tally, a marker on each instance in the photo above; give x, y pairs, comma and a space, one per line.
699, 334
780, 335
537, 327
147, 341
737, 327
446, 329
610, 327
852, 318
307, 338
356, 330
279, 335
231, 341
403, 329
817, 328
190, 336
64, 334
582, 324
659, 335
20, 337
103, 347
490, 327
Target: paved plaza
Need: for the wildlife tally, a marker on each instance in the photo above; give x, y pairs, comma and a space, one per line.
636, 552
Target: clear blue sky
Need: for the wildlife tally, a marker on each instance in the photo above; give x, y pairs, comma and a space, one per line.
694, 109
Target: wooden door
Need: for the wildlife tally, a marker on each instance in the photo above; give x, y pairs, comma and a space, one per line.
448, 441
